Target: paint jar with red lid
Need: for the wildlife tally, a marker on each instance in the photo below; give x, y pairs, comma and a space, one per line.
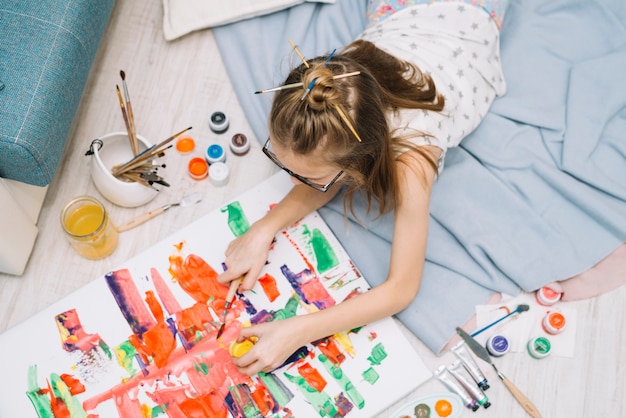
553, 323
547, 296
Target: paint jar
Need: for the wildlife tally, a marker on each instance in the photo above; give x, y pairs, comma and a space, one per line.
219, 173
553, 323
547, 297
185, 145
218, 122
497, 345
86, 224
239, 144
539, 347
215, 154
198, 168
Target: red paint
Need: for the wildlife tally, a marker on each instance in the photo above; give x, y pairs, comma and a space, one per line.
59, 409
297, 248
73, 335
312, 376
73, 384
268, 283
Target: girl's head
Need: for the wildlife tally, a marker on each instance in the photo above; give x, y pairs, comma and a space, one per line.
311, 132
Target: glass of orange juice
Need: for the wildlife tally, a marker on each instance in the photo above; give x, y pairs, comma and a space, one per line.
86, 223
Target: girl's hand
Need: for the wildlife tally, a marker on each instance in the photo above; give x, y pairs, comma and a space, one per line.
275, 342
245, 256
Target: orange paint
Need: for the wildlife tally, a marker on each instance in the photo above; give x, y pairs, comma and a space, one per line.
331, 350
155, 306
185, 145
443, 408
263, 400
268, 283
312, 376
160, 343
73, 384
59, 409
198, 168
196, 277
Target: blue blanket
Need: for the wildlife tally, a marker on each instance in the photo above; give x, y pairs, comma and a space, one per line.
536, 193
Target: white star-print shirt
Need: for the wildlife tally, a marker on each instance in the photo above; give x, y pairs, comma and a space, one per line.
458, 45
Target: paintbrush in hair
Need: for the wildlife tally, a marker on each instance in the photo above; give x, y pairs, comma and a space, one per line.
131, 116
300, 84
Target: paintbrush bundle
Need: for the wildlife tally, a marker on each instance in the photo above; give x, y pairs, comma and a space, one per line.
142, 167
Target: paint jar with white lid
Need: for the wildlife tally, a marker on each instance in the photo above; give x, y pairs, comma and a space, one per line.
539, 347
497, 345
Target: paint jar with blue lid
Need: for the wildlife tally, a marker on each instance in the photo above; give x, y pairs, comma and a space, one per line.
498, 345
215, 154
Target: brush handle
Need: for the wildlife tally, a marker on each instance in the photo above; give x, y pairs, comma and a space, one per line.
232, 289
520, 397
141, 219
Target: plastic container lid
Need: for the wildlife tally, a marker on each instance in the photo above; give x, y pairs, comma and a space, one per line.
219, 173
497, 345
214, 153
554, 322
198, 168
547, 296
218, 122
239, 144
539, 347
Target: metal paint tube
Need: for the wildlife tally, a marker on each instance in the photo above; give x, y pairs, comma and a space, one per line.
461, 351
462, 375
454, 386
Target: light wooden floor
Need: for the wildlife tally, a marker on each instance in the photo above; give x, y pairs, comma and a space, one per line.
179, 84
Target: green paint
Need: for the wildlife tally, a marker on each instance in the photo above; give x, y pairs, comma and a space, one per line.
237, 221
40, 401
370, 376
157, 411
324, 253
378, 354
61, 391
290, 309
106, 349
319, 400
201, 368
125, 354
343, 381
279, 391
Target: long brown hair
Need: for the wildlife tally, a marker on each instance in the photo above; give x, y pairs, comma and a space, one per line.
385, 84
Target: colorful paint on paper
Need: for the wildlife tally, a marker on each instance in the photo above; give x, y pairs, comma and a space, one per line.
146, 345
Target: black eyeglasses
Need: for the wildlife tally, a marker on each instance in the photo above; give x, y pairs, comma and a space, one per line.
322, 188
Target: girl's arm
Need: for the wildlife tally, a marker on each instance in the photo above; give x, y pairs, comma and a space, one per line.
277, 340
246, 255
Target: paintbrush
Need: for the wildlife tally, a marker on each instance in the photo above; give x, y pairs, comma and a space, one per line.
300, 84
232, 289
146, 155
126, 121
131, 118
519, 309
297, 51
482, 353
